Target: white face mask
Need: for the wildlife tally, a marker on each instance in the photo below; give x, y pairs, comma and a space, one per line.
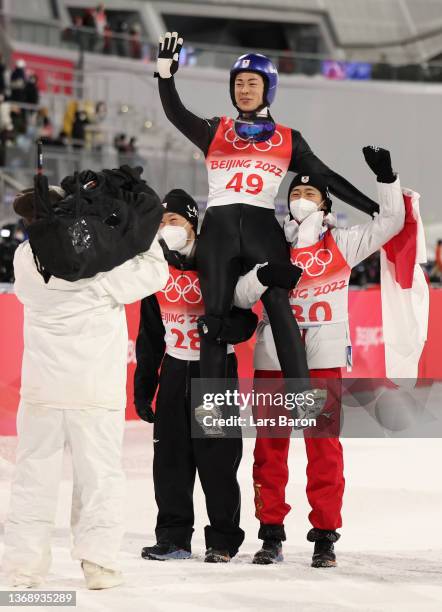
175, 236
302, 208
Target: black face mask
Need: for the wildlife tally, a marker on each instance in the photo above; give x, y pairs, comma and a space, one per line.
254, 128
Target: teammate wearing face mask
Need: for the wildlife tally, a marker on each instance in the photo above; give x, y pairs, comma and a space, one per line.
246, 159
179, 226
169, 325
319, 303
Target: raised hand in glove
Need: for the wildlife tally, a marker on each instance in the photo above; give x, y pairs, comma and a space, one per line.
145, 412
281, 275
168, 55
379, 161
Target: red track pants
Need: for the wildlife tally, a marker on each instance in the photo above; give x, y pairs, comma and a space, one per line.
325, 472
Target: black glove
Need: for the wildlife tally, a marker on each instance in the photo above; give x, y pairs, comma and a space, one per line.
285, 276
210, 326
379, 161
168, 55
173, 258
238, 327
145, 412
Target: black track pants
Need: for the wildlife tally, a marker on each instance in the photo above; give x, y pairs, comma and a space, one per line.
233, 239
177, 458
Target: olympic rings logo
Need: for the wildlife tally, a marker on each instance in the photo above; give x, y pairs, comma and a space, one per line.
320, 260
241, 145
182, 287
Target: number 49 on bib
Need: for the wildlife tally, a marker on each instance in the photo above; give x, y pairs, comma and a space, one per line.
253, 183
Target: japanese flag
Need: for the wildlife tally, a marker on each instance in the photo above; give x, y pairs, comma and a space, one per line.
405, 294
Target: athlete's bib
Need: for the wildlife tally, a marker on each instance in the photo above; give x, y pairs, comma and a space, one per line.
181, 304
246, 172
321, 295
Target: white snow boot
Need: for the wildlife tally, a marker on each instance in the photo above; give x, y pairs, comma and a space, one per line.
22, 581
98, 577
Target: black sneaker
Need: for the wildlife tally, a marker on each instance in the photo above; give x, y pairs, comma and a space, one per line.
271, 552
216, 556
324, 553
164, 550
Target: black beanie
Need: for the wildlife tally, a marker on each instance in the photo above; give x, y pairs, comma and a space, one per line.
181, 203
319, 181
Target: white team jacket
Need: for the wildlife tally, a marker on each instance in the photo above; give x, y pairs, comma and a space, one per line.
75, 333
328, 346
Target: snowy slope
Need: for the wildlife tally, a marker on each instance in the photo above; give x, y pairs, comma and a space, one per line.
390, 552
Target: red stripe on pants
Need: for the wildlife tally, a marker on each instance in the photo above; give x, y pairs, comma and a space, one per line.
325, 472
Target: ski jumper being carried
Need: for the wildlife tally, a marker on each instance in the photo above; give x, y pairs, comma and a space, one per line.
246, 160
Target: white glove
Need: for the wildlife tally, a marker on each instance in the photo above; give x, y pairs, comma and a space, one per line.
291, 229
168, 55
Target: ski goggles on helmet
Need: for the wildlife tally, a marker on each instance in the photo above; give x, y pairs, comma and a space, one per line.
255, 129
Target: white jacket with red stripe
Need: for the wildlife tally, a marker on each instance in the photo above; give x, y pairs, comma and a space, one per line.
327, 345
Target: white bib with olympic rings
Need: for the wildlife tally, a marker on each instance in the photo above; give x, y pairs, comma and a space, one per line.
246, 172
181, 305
321, 295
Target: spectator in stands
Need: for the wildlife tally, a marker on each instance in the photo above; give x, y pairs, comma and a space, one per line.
132, 146
100, 26
62, 140
79, 129
90, 33
6, 130
11, 235
136, 49
121, 143
367, 271
97, 134
45, 129
18, 118
108, 40
122, 39
100, 111
18, 81
32, 95
2, 78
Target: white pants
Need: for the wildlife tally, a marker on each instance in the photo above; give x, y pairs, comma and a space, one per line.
95, 438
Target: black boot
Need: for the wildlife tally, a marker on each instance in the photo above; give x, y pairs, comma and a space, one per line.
271, 552
164, 550
216, 556
323, 554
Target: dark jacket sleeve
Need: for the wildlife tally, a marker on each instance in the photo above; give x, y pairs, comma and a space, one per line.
197, 130
305, 161
150, 347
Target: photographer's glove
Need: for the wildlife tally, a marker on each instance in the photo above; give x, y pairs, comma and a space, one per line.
379, 161
168, 55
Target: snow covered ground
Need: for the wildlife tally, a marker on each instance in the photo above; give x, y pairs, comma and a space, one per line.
390, 552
